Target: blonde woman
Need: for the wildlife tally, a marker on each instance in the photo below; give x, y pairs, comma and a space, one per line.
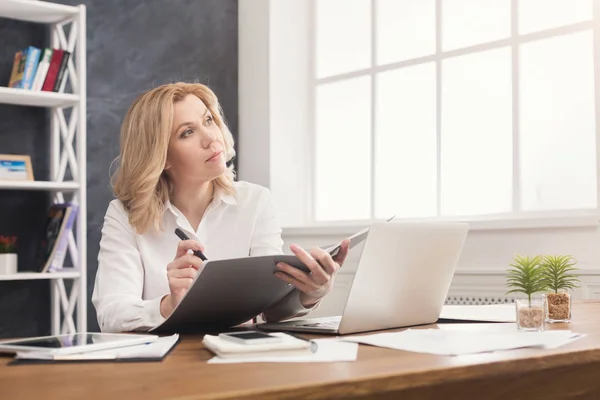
172, 173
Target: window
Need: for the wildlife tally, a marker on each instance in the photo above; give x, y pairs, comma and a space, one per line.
445, 108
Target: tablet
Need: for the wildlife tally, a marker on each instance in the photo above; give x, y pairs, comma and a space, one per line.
75, 343
355, 239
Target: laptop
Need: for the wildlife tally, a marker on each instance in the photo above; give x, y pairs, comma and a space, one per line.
402, 279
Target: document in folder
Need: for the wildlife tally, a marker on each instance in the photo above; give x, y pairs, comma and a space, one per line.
230, 292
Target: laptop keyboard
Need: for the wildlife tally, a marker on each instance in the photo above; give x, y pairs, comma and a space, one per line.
325, 322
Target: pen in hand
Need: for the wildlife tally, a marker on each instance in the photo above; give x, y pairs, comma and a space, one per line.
183, 236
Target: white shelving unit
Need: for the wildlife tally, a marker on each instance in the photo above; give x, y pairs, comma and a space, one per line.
63, 154
38, 99
28, 276
40, 185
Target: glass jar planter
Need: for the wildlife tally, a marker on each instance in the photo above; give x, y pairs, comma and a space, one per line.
558, 307
530, 315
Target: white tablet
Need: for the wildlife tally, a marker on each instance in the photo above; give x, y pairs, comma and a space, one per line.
75, 343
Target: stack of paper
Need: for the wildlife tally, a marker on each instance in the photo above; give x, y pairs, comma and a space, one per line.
483, 313
464, 341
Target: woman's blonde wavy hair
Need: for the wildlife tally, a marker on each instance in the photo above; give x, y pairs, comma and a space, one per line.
140, 181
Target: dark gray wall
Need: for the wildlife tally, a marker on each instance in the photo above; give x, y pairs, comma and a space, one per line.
132, 46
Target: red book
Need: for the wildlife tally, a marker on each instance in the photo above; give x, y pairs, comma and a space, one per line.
61, 71
53, 70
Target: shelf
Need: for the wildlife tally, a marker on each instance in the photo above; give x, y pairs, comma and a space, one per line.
39, 185
66, 26
26, 97
30, 276
36, 11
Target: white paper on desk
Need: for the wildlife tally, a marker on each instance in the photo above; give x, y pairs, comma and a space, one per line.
484, 313
156, 349
457, 342
329, 350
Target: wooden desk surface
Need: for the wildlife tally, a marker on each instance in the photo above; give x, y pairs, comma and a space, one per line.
571, 371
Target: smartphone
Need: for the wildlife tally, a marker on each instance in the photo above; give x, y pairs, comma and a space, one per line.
250, 337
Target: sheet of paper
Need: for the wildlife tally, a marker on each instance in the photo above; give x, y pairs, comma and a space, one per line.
329, 350
485, 313
464, 341
156, 349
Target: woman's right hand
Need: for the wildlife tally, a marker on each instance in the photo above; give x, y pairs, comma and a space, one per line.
181, 273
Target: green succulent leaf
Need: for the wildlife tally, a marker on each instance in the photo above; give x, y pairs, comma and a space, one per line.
558, 272
526, 275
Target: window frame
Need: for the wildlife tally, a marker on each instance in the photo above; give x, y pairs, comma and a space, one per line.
517, 218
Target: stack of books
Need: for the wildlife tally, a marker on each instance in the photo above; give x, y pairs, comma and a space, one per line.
39, 70
53, 246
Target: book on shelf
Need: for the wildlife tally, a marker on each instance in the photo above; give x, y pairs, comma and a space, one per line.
40, 69
55, 242
24, 68
32, 58
53, 70
18, 71
59, 84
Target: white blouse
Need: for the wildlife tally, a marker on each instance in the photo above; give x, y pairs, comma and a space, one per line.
132, 268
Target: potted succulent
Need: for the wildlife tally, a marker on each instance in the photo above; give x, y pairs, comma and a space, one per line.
526, 275
8, 254
559, 277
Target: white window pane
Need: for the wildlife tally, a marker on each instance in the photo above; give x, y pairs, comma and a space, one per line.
405, 29
477, 133
343, 150
406, 143
470, 22
343, 36
557, 128
535, 15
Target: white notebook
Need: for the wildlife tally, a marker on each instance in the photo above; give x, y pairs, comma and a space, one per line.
289, 346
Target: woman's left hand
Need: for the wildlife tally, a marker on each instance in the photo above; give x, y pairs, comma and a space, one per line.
316, 284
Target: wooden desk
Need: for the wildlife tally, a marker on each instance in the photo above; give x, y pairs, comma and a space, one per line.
572, 371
